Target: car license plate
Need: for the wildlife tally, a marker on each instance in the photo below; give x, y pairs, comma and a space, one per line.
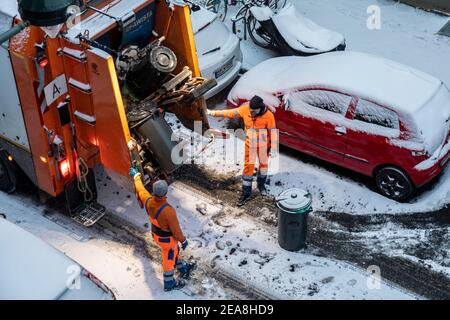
223, 69
445, 160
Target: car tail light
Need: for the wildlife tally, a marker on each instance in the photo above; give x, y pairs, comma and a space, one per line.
64, 168
96, 281
43, 62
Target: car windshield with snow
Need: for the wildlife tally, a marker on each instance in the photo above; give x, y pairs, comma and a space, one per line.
371, 115
30, 269
218, 49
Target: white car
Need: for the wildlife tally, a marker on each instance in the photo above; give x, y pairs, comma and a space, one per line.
218, 49
30, 269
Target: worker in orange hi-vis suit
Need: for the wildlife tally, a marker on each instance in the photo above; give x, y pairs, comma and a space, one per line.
261, 140
166, 230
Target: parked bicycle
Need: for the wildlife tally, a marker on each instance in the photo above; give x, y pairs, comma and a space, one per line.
219, 7
284, 29
250, 25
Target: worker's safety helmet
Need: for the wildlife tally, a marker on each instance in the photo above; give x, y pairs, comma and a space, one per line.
257, 104
160, 188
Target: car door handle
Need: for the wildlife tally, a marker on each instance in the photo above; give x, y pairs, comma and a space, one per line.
340, 131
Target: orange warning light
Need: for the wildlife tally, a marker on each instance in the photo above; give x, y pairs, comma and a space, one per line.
43, 62
64, 168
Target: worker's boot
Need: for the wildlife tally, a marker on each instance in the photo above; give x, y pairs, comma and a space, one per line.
245, 195
170, 283
173, 285
261, 182
185, 268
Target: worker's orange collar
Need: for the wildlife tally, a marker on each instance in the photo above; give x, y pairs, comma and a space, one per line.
160, 199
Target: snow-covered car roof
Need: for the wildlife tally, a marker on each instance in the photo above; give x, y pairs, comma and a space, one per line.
30, 268
9, 7
377, 79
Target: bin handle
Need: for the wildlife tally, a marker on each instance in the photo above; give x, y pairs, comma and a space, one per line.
281, 198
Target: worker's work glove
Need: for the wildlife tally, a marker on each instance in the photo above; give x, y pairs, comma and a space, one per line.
134, 172
209, 112
131, 145
184, 244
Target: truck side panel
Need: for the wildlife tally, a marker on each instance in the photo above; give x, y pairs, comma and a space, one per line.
21, 51
12, 125
111, 125
13, 134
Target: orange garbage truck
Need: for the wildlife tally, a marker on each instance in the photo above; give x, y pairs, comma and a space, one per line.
80, 80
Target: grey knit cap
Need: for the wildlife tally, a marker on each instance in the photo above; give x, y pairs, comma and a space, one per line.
160, 188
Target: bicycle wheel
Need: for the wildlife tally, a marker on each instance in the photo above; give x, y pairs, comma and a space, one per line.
257, 33
272, 4
221, 8
239, 22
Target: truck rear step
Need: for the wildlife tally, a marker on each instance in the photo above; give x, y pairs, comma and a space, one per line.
88, 214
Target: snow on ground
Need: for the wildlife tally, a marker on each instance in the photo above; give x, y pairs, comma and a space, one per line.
407, 35
240, 246
426, 246
127, 271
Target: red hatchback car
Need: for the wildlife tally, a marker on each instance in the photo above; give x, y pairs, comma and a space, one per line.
362, 112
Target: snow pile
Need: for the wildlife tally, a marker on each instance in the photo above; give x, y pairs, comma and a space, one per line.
303, 34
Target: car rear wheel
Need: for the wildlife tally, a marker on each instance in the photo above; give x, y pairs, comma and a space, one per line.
6, 181
394, 183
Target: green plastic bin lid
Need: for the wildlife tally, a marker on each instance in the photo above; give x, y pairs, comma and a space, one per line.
294, 200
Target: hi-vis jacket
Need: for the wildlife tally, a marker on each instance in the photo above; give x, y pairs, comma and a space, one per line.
167, 219
261, 131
